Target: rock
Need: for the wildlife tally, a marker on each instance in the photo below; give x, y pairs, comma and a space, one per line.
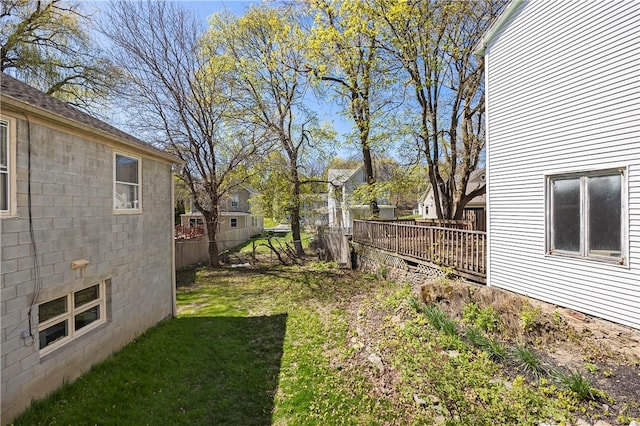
634, 423
434, 399
453, 354
601, 423
439, 420
582, 422
377, 361
419, 401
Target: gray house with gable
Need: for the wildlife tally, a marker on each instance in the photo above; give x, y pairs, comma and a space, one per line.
86, 242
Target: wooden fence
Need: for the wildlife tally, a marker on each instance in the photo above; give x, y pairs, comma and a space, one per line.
463, 250
196, 250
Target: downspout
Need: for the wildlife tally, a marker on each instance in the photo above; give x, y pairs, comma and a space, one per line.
174, 308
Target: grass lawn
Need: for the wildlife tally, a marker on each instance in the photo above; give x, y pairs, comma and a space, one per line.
300, 345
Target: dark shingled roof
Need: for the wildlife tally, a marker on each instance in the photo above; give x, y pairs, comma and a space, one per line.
22, 92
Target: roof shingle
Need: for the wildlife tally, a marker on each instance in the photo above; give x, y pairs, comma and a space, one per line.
15, 89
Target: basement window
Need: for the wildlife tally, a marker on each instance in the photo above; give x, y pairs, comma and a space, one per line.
586, 215
72, 315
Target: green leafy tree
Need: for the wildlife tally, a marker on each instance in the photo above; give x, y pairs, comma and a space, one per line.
46, 44
433, 42
265, 50
344, 54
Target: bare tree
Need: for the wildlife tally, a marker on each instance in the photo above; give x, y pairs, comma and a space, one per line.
182, 96
46, 44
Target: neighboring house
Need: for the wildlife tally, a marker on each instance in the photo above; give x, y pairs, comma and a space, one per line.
86, 242
236, 221
427, 204
315, 211
563, 157
341, 208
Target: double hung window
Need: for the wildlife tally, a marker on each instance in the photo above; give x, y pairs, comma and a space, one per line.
67, 317
7, 167
587, 215
126, 195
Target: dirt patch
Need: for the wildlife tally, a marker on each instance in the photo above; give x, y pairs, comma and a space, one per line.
607, 354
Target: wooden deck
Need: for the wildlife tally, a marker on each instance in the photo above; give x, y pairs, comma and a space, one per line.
463, 250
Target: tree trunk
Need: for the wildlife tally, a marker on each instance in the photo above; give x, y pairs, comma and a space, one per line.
211, 219
295, 211
369, 176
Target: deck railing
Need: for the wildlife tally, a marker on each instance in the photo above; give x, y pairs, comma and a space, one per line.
463, 250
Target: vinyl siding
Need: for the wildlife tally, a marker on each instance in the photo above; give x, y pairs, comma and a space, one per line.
563, 95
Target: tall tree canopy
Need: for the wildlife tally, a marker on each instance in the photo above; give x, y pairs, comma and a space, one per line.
344, 54
181, 94
45, 43
433, 41
265, 50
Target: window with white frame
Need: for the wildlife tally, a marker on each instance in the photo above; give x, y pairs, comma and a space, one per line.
586, 216
126, 194
235, 200
65, 318
234, 222
7, 167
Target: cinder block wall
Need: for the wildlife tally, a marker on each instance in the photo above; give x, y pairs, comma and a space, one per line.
72, 213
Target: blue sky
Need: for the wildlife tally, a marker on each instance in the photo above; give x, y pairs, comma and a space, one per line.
202, 9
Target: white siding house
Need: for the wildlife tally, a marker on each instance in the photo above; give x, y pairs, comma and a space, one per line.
563, 154
342, 210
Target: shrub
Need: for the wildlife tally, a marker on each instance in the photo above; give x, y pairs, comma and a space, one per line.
486, 319
529, 318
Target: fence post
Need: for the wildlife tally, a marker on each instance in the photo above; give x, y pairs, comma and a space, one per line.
397, 238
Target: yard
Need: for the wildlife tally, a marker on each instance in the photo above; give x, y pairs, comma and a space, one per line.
312, 345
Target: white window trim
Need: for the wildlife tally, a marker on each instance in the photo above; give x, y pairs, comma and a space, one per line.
235, 200
12, 211
624, 219
138, 209
70, 315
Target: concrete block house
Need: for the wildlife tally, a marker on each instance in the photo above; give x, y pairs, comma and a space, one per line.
86, 243
563, 154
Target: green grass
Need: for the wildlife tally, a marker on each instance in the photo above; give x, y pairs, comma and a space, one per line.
290, 346
279, 240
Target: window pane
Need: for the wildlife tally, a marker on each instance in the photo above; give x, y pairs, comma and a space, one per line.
126, 196
87, 317
126, 169
566, 214
4, 191
51, 309
605, 209
53, 333
85, 296
4, 146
